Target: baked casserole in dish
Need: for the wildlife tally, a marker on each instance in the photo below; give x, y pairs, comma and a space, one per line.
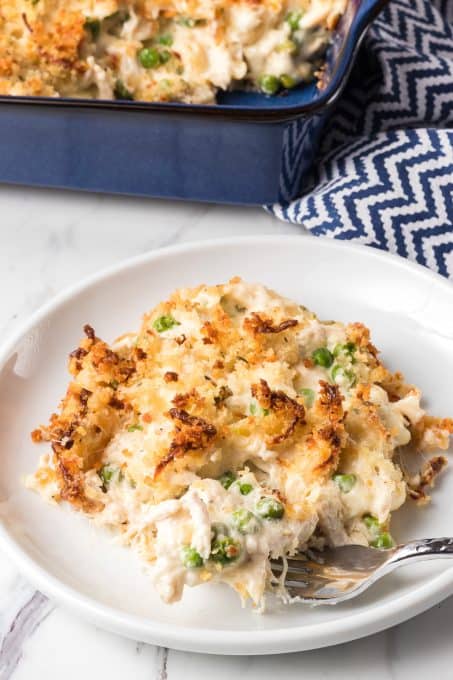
164, 50
212, 101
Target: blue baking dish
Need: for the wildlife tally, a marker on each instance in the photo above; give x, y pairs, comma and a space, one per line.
248, 149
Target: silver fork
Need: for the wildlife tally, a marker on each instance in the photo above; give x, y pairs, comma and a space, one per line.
338, 574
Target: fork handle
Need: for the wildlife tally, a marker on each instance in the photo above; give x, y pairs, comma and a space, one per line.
422, 549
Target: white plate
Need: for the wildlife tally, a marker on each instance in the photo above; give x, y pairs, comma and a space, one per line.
409, 311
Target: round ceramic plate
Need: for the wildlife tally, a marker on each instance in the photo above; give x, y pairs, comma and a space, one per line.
409, 312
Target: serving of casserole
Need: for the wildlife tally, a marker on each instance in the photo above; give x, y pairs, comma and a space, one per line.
235, 427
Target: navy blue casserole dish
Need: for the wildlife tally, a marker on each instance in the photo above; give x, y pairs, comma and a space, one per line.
248, 149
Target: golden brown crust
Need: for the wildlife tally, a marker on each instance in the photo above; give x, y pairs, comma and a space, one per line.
330, 401
183, 400
95, 356
257, 323
88, 417
426, 479
72, 485
191, 433
290, 411
36, 436
360, 336
209, 333
60, 43
329, 434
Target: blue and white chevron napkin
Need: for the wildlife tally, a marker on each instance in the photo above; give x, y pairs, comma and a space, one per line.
384, 176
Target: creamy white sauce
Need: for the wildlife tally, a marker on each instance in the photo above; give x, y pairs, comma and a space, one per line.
410, 407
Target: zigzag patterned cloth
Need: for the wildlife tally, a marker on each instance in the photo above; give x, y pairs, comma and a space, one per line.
385, 171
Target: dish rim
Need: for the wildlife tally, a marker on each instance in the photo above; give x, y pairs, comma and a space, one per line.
218, 641
250, 113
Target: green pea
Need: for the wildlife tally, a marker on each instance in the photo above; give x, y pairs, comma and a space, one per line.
293, 19
165, 39
371, 522
149, 57
190, 558
269, 84
245, 488
340, 374
164, 56
164, 323
269, 507
308, 395
121, 91
255, 410
346, 348
219, 530
94, 26
225, 550
245, 521
322, 357
134, 428
287, 81
384, 541
107, 473
227, 479
345, 482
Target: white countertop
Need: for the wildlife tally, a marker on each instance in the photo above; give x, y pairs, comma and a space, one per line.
49, 240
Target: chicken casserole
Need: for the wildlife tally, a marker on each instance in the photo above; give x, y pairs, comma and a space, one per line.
161, 50
233, 428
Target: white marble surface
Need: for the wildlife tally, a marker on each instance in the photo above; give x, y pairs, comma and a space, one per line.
49, 240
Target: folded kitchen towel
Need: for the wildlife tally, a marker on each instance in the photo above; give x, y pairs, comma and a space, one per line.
384, 173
